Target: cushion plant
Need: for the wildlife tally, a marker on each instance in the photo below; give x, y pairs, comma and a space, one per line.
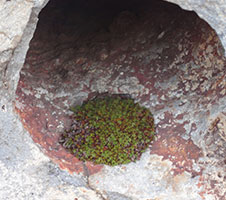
110, 130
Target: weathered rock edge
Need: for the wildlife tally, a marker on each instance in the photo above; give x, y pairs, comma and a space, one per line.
17, 29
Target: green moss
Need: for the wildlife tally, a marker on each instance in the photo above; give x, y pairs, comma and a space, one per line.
109, 130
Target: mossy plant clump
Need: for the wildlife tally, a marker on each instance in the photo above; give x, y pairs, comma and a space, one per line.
109, 130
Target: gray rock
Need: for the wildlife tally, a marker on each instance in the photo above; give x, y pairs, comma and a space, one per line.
26, 173
18, 20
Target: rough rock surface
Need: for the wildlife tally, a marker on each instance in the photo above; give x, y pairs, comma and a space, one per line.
176, 68
18, 20
27, 174
212, 11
